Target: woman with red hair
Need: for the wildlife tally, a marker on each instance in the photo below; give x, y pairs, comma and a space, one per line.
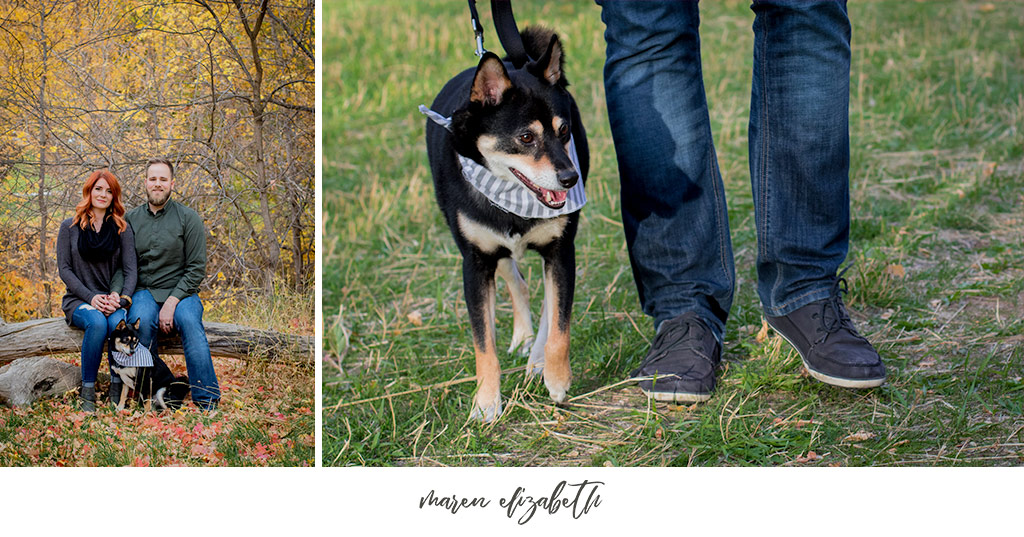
96, 258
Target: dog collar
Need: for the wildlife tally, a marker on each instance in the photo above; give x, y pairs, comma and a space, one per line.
514, 197
140, 358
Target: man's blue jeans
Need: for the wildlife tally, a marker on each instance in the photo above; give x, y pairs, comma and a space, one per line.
673, 199
188, 321
97, 327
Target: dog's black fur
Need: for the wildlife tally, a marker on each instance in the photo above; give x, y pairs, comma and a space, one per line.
505, 118
156, 383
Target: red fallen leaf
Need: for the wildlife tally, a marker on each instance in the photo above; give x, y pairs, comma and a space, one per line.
260, 452
811, 456
141, 461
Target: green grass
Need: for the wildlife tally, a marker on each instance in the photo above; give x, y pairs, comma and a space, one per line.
938, 285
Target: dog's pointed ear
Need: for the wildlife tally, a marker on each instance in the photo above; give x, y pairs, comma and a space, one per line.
491, 81
549, 66
138, 323
120, 325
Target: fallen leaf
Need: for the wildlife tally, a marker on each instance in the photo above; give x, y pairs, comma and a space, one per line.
762, 334
987, 7
811, 456
416, 318
859, 436
896, 271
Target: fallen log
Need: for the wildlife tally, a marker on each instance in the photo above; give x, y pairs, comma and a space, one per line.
24, 381
53, 336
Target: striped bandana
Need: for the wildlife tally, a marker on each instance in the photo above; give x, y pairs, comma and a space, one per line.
140, 358
514, 197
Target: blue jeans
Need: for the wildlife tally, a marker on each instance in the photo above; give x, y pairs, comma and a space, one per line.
188, 321
673, 199
97, 328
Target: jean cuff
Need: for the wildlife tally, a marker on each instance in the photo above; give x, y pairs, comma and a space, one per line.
796, 303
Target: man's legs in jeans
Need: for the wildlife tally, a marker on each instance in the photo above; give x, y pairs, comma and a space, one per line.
799, 168
800, 149
188, 320
673, 200
146, 309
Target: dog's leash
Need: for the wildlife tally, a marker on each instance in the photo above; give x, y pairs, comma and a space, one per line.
508, 32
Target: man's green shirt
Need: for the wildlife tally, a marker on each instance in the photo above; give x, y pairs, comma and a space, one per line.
171, 246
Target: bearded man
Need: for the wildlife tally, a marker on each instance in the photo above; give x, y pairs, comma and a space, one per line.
170, 241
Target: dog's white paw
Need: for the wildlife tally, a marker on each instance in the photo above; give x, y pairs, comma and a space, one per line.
535, 365
158, 400
521, 348
557, 391
486, 411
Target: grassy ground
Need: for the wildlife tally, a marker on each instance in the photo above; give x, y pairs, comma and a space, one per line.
265, 418
936, 181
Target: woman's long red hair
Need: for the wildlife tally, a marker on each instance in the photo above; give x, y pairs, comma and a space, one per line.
83, 211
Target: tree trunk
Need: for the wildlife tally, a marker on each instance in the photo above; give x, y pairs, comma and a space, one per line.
53, 336
297, 250
44, 143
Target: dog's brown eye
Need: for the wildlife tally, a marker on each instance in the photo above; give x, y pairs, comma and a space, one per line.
526, 138
563, 130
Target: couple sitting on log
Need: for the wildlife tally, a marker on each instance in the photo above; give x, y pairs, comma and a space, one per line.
144, 265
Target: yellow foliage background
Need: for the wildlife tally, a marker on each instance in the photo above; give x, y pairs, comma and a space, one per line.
225, 91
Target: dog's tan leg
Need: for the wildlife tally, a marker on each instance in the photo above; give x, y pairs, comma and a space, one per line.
535, 365
124, 398
557, 373
487, 402
522, 327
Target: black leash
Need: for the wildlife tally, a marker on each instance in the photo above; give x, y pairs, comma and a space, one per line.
508, 32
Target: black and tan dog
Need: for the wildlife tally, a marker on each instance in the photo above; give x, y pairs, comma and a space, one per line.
523, 127
155, 383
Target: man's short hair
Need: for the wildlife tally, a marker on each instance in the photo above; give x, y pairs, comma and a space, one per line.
153, 161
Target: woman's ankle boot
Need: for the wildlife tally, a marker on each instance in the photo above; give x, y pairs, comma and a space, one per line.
88, 397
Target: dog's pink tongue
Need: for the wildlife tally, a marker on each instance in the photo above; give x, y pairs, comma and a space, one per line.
554, 198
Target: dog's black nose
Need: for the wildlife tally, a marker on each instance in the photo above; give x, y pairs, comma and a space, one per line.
568, 177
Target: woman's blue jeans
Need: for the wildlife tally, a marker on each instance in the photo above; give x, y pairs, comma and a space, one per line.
188, 321
97, 327
673, 199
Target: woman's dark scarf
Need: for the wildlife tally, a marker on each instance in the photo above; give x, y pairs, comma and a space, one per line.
98, 246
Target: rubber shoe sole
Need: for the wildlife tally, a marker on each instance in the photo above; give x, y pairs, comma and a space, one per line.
675, 396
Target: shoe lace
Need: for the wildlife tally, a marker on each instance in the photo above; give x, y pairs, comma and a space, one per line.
833, 312
672, 336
